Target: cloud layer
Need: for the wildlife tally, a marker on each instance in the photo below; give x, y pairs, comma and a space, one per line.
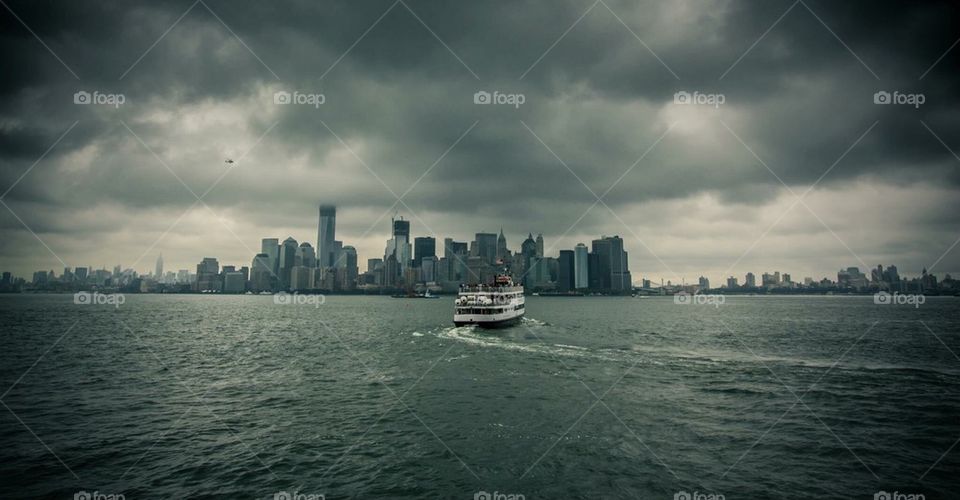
694, 189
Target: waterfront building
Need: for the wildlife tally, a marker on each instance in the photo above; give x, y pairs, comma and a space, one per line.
566, 273
326, 235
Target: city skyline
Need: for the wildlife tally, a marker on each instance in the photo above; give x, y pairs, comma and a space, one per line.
278, 262
716, 164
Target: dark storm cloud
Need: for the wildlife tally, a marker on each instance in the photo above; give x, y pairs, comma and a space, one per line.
400, 98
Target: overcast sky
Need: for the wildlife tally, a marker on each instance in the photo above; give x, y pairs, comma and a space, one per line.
692, 188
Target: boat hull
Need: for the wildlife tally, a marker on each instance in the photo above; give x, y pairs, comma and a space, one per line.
498, 323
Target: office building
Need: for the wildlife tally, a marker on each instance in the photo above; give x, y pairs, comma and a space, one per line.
580, 266
307, 257
423, 246
271, 247
326, 235
566, 272
208, 275
486, 247
502, 251
288, 259
261, 274
158, 269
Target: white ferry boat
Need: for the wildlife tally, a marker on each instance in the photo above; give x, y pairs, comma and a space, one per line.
489, 306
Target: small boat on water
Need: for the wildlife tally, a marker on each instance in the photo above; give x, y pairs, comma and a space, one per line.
489, 306
416, 295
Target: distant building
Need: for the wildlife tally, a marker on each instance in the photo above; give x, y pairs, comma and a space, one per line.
566, 273
307, 257
502, 251
539, 245
399, 248
580, 266
704, 283
428, 269
594, 275
261, 274
349, 273
326, 235
486, 244
288, 259
732, 283
301, 278
750, 281
234, 282
158, 269
423, 246
208, 275
271, 247
613, 264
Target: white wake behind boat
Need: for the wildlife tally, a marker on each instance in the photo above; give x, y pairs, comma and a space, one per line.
489, 306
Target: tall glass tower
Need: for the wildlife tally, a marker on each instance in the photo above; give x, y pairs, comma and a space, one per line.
326, 234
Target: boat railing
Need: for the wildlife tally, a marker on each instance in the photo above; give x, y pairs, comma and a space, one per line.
490, 289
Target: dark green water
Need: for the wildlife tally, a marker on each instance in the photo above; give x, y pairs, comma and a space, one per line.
370, 397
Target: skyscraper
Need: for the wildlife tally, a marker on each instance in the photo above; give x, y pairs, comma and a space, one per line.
423, 246
566, 273
399, 245
326, 235
487, 247
271, 247
580, 266
158, 270
350, 270
539, 245
288, 259
307, 257
613, 266
502, 251
208, 275
261, 273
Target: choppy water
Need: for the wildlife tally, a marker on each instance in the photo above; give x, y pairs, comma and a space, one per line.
203, 396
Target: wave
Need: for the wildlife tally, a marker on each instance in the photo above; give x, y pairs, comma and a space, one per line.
471, 335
